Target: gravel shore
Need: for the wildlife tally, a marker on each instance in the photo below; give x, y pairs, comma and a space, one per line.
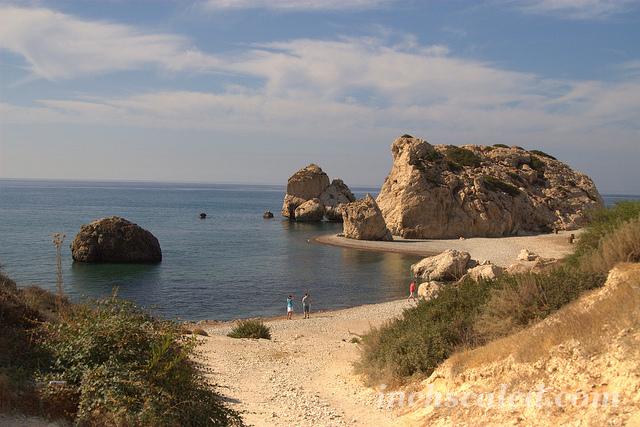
501, 251
304, 375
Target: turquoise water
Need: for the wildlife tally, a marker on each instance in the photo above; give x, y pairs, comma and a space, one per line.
232, 264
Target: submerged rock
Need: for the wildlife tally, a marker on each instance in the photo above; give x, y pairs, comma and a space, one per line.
448, 266
439, 191
267, 215
363, 221
117, 240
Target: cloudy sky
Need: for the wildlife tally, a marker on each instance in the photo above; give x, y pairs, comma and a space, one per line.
249, 91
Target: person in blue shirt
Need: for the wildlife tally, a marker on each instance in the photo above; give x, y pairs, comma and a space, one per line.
289, 307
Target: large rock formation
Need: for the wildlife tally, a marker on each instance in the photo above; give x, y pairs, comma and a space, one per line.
363, 221
115, 239
439, 191
312, 183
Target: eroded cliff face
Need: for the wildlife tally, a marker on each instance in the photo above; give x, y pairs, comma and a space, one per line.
440, 191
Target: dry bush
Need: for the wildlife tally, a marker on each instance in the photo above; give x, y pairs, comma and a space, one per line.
621, 245
592, 321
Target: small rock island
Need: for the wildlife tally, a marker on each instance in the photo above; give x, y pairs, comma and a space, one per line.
311, 198
115, 239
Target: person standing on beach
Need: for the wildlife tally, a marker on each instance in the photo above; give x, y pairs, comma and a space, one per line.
412, 291
289, 307
305, 305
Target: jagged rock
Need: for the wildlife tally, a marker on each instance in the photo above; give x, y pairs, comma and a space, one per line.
312, 183
334, 197
447, 266
306, 184
429, 290
485, 271
363, 220
450, 192
310, 211
115, 239
526, 255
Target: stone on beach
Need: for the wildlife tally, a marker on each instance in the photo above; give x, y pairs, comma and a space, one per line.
485, 271
429, 290
448, 266
526, 255
117, 240
363, 221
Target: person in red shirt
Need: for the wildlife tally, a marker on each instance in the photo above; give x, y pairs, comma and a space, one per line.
412, 291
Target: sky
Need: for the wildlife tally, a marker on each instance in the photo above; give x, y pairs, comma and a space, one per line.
249, 91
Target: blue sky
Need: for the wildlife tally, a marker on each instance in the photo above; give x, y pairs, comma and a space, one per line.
249, 91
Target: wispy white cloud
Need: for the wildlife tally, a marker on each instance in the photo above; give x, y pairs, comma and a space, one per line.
369, 83
296, 5
60, 46
576, 9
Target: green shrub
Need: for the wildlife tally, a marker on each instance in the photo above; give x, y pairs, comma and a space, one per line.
251, 328
462, 156
601, 223
123, 367
620, 245
542, 153
536, 163
453, 166
424, 336
469, 314
495, 184
501, 145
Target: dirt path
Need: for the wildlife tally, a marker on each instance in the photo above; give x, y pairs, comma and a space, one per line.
304, 375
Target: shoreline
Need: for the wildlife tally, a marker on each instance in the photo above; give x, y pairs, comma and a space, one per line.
502, 251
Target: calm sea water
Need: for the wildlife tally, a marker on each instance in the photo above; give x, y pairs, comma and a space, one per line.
233, 264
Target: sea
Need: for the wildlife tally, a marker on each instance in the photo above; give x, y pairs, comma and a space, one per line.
233, 264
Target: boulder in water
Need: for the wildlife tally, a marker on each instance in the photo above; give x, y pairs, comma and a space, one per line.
117, 240
310, 211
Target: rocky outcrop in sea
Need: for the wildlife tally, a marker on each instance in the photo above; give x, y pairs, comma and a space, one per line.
363, 220
117, 240
311, 197
445, 191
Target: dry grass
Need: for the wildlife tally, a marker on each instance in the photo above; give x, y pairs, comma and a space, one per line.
621, 245
591, 320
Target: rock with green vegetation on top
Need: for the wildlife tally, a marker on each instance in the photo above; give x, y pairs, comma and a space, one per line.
443, 191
